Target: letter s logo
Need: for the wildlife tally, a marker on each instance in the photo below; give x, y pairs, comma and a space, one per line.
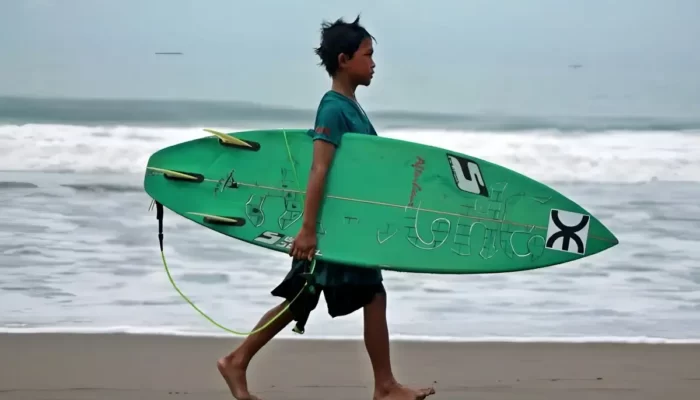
268, 237
467, 175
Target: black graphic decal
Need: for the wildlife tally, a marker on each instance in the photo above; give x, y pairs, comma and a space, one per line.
567, 233
467, 175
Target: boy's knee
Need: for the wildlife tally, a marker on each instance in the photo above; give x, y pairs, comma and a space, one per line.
378, 298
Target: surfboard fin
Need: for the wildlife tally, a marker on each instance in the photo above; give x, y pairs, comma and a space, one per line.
226, 139
217, 219
168, 173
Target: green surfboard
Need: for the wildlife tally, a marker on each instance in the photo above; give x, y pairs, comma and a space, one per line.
389, 204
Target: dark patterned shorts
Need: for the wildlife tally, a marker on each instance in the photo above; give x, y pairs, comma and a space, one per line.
341, 299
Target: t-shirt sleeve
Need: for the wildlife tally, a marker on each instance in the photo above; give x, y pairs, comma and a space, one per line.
331, 124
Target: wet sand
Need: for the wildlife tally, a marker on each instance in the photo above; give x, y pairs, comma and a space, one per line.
121, 366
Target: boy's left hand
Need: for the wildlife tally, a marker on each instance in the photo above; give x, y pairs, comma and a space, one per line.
304, 245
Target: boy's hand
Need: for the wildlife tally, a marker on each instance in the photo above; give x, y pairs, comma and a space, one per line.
304, 245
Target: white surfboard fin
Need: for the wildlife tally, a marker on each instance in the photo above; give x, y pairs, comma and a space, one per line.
175, 174
216, 219
228, 139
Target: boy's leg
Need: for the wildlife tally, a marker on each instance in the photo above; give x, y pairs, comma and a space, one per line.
377, 343
346, 299
233, 367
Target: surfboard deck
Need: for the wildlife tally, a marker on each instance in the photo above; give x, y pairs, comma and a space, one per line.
389, 204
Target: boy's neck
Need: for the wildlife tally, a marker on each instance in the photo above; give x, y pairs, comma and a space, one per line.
344, 87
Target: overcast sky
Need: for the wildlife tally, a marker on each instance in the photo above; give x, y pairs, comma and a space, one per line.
452, 55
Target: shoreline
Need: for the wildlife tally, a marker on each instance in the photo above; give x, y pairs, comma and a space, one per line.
116, 366
285, 335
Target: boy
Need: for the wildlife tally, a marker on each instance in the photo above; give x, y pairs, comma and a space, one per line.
346, 53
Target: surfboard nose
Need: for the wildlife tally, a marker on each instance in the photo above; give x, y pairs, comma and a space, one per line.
616, 241
605, 235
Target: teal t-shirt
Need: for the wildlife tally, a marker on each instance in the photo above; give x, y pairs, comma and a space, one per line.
337, 115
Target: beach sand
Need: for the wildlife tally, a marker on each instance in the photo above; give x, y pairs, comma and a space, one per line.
125, 366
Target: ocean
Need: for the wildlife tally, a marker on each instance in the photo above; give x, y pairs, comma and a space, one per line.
79, 248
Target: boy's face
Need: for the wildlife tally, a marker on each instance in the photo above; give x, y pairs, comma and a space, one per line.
360, 68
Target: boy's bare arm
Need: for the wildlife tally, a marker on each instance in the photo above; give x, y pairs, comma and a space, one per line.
322, 159
304, 245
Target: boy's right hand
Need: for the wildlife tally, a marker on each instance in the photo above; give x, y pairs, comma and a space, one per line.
304, 245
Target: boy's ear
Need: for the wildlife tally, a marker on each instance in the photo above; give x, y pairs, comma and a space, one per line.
342, 59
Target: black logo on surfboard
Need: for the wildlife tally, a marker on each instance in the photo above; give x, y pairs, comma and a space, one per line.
467, 174
567, 231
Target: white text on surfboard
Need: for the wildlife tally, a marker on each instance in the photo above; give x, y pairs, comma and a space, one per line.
278, 240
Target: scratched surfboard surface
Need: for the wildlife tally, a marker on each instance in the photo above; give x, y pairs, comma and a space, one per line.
389, 203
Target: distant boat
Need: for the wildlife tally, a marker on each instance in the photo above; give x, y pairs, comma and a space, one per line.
168, 53
575, 66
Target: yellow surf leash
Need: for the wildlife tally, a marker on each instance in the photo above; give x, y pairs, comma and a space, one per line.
159, 216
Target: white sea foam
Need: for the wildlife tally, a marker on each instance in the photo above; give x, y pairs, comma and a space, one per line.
167, 331
79, 256
611, 156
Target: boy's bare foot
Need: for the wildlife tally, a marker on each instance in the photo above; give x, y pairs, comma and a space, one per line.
234, 374
396, 391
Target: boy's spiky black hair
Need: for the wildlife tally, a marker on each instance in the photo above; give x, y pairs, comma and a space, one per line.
340, 37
